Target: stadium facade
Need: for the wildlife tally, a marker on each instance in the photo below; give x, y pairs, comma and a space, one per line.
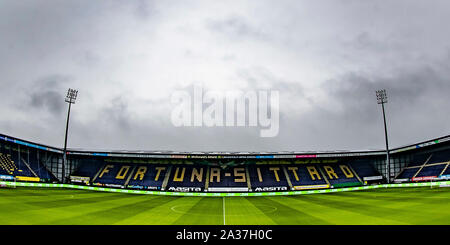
25, 161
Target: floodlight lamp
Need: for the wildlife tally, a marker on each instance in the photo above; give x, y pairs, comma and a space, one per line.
381, 96
71, 96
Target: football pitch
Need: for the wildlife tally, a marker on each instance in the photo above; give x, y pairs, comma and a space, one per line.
390, 206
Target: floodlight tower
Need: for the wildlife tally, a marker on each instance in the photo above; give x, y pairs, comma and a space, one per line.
70, 98
382, 99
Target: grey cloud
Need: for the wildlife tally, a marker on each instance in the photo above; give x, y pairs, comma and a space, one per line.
260, 77
145, 9
117, 114
50, 100
396, 46
47, 93
416, 108
354, 120
236, 28
364, 41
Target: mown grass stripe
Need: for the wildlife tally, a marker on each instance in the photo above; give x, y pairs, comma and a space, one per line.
391, 211
381, 206
240, 211
117, 211
334, 215
163, 214
284, 214
207, 211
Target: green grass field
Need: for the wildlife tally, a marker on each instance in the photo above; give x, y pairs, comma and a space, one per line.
397, 206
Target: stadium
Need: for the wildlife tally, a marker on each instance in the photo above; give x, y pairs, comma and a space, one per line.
224, 188
224, 116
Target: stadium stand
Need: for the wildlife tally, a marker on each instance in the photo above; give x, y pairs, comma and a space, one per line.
432, 170
408, 173
211, 178
88, 168
426, 166
447, 170
363, 168
187, 177
148, 177
6, 165
305, 175
9, 165
230, 172
340, 175
438, 157
418, 160
267, 176
226, 178
23, 163
113, 175
37, 168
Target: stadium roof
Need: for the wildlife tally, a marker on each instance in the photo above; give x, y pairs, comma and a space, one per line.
218, 154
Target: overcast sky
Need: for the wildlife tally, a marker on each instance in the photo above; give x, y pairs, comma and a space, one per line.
126, 58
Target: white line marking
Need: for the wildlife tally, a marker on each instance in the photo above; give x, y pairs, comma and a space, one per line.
223, 211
